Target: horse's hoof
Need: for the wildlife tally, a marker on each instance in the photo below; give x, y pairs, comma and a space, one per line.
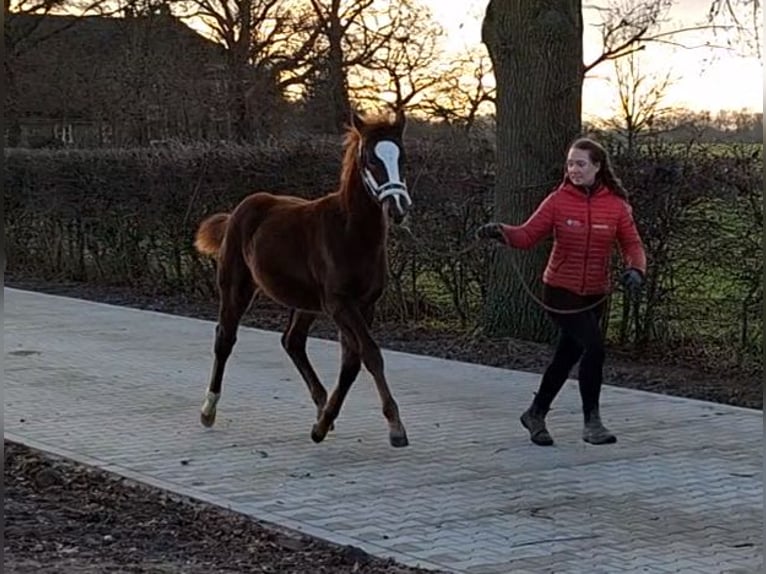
399, 440
207, 420
316, 436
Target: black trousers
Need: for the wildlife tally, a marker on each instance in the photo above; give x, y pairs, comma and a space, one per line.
580, 339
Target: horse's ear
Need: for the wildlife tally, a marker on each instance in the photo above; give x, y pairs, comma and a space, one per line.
357, 121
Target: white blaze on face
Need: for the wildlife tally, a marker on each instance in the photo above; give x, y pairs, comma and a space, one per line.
387, 152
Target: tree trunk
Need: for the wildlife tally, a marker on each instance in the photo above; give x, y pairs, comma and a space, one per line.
242, 127
336, 73
12, 124
536, 51
241, 69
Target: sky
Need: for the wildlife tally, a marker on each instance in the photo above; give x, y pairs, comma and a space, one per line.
703, 79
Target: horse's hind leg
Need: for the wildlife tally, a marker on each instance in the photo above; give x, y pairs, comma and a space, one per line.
354, 325
350, 367
236, 290
294, 342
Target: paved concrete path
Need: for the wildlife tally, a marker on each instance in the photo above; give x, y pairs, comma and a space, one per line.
682, 490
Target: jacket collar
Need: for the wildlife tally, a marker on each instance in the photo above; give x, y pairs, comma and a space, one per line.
581, 191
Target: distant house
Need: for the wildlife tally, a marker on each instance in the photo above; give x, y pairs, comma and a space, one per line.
97, 81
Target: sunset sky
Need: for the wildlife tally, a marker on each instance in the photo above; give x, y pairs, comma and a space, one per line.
706, 79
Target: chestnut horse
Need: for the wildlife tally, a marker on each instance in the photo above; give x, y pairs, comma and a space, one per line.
326, 255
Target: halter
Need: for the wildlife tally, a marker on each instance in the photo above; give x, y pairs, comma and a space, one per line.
396, 189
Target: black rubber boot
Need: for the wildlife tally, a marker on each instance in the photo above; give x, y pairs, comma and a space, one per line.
533, 420
594, 432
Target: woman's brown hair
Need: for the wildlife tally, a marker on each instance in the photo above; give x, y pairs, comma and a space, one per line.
598, 155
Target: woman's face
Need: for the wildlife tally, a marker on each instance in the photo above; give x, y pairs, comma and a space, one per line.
580, 169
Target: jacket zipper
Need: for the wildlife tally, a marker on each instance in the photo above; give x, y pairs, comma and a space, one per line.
587, 248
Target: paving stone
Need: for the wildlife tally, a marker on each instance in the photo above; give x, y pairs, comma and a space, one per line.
682, 490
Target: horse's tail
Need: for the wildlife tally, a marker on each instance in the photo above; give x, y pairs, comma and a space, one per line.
210, 234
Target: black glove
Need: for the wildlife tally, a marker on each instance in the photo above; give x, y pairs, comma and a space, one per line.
632, 280
491, 230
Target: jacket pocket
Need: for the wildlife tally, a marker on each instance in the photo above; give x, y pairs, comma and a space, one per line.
558, 263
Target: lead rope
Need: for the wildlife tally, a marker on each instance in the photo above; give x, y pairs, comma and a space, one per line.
474, 245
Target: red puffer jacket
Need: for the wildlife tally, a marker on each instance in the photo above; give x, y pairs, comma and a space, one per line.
585, 228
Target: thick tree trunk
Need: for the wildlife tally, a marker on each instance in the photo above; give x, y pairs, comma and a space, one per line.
536, 51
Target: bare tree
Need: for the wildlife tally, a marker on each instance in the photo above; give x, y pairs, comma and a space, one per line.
640, 98
408, 64
380, 42
267, 42
537, 54
627, 27
739, 21
536, 51
464, 88
346, 40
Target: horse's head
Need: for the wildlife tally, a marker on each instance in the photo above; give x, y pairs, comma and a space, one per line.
381, 162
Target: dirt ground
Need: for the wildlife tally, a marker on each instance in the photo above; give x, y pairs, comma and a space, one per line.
64, 518
61, 517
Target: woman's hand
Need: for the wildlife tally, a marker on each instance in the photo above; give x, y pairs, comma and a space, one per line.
491, 230
632, 280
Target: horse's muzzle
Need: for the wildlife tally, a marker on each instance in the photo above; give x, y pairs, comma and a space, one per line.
394, 214
396, 201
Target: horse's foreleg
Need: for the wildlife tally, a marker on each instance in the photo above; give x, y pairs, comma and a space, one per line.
354, 326
350, 367
294, 342
235, 297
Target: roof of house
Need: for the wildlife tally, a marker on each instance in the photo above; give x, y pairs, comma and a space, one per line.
76, 66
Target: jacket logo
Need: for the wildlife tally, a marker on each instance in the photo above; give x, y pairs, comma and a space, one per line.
600, 226
573, 223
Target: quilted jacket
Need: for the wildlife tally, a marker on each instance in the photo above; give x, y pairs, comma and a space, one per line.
585, 227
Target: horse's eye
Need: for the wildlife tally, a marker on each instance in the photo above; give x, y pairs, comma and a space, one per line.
369, 157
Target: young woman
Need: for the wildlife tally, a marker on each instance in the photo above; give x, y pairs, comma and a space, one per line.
587, 214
